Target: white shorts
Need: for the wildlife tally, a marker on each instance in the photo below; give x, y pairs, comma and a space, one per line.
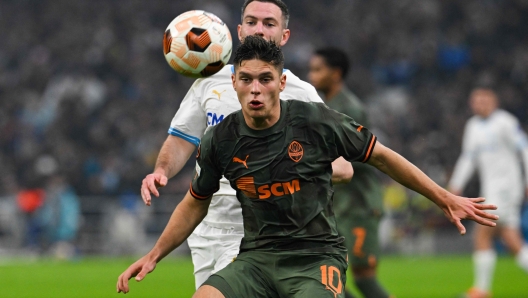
508, 203
212, 249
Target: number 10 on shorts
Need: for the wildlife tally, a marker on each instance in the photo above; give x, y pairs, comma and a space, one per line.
330, 275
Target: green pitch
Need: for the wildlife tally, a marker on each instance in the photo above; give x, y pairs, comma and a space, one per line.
405, 277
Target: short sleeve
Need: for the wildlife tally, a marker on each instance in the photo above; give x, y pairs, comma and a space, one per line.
206, 181
190, 121
353, 141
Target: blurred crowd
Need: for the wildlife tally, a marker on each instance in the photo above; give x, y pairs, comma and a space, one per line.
87, 95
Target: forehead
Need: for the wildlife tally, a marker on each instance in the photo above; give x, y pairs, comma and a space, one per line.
263, 10
318, 60
481, 96
255, 67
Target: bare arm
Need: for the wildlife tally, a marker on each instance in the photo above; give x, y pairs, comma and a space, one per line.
342, 171
186, 216
172, 157
455, 208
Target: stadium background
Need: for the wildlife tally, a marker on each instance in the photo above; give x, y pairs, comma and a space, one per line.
86, 93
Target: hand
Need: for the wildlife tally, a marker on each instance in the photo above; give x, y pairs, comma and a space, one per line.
458, 208
139, 269
150, 184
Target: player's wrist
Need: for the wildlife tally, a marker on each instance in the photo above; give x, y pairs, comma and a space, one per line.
155, 255
160, 171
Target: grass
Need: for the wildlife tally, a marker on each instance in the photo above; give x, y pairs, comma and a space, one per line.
405, 277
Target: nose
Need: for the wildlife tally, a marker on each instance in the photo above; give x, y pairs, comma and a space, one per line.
259, 29
255, 87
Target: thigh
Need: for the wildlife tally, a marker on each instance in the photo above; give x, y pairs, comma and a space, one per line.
208, 292
361, 238
509, 204
242, 278
202, 254
312, 275
227, 250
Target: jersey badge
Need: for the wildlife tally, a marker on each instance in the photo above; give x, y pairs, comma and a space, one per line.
219, 94
295, 151
236, 159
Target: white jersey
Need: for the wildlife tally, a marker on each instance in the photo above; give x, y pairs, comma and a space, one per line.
492, 145
207, 103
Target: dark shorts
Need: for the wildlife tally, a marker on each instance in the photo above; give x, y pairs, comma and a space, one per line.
282, 274
361, 239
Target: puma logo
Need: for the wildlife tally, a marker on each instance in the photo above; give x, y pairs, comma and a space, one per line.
236, 159
219, 94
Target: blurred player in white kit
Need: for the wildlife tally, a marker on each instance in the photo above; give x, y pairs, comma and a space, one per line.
492, 143
215, 242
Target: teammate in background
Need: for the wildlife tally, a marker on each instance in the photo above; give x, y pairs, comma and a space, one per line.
358, 205
216, 241
277, 155
491, 143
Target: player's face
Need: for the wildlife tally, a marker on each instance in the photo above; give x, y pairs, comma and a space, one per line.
320, 75
263, 19
258, 85
483, 102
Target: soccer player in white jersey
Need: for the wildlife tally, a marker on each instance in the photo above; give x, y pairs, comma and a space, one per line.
215, 242
492, 142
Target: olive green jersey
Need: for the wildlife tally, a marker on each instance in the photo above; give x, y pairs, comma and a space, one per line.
282, 174
363, 195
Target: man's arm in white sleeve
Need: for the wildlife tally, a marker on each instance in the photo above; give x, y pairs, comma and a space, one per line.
172, 157
465, 165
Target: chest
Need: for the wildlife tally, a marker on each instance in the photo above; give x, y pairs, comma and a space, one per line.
274, 165
489, 136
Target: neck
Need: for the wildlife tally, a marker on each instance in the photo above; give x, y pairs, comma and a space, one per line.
261, 123
331, 92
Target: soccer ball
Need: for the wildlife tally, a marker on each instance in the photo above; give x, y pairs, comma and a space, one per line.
197, 44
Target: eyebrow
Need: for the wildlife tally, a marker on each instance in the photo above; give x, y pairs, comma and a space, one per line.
263, 74
265, 19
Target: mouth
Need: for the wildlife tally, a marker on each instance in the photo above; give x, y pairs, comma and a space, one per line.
255, 104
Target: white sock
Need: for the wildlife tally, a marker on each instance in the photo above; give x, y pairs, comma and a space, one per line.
522, 258
484, 266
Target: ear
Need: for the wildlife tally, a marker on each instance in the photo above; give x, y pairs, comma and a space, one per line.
337, 75
239, 27
282, 82
285, 36
233, 79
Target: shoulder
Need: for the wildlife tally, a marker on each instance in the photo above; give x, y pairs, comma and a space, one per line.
218, 78
310, 111
295, 105
298, 89
226, 128
352, 98
505, 116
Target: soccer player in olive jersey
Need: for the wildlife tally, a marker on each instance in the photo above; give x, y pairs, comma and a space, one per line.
358, 205
216, 241
277, 155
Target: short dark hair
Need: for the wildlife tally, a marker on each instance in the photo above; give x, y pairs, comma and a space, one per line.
335, 58
283, 7
256, 47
